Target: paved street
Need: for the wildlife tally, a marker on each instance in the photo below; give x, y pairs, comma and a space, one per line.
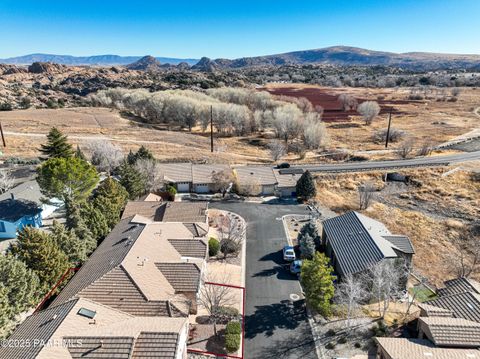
276, 325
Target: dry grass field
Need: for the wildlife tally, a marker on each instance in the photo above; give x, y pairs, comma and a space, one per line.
431, 215
25, 130
423, 120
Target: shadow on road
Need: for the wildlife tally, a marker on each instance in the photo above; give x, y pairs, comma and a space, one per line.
276, 257
282, 272
267, 318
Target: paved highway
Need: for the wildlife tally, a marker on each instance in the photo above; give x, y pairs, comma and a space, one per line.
390, 164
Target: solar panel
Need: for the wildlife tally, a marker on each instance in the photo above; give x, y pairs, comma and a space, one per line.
84, 312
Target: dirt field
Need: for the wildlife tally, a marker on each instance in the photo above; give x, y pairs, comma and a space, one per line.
431, 214
25, 131
425, 120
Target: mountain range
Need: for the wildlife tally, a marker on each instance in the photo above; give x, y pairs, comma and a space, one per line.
336, 55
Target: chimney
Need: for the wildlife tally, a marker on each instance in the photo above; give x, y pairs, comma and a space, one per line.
12, 196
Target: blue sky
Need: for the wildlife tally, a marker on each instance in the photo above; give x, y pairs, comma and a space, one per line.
234, 29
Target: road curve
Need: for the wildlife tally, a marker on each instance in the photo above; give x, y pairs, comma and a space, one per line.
390, 164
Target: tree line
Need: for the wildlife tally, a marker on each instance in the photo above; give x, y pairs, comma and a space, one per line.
235, 112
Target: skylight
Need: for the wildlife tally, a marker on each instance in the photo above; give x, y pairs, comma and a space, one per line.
84, 312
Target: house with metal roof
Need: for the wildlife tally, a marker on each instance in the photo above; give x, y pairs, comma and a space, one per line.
355, 243
83, 328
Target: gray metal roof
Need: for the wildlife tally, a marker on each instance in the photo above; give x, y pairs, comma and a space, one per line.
109, 254
402, 243
29, 190
39, 326
156, 345
463, 305
357, 242
459, 285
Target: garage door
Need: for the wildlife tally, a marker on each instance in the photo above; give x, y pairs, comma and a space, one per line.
183, 187
268, 190
201, 188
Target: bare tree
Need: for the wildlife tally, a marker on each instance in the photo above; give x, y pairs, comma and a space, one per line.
405, 148
350, 293
105, 155
151, 170
277, 150
383, 283
222, 181
348, 102
467, 259
6, 181
455, 91
365, 193
426, 148
369, 110
213, 297
394, 136
231, 234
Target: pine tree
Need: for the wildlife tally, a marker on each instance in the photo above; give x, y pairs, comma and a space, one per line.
131, 158
21, 284
77, 224
57, 145
79, 154
142, 154
5, 310
95, 221
306, 186
131, 180
317, 281
307, 246
110, 199
312, 231
69, 243
38, 251
62, 177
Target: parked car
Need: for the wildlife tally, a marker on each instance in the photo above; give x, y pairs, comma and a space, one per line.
283, 165
288, 253
296, 267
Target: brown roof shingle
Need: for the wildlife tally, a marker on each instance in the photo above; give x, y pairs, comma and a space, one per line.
184, 277
99, 347
451, 332
463, 305
190, 247
188, 212
156, 345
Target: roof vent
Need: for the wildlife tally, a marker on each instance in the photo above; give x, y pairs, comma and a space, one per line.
428, 354
54, 317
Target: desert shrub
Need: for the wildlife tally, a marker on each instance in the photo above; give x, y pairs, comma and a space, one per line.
6, 106
380, 329
475, 176
232, 336
330, 346
213, 247
357, 345
381, 135
342, 340
21, 161
331, 332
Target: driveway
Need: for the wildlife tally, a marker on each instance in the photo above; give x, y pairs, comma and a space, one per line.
275, 318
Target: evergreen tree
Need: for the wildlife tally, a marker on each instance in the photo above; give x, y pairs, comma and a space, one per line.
38, 251
67, 177
69, 243
79, 154
312, 230
21, 284
77, 224
95, 221
317, 281
307, 246
57, 145
142, 154
5, 310
131, 180
306, 186
110, 199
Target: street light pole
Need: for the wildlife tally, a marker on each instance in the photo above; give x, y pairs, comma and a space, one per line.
388, 129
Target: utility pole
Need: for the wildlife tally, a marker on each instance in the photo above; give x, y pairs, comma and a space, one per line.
3, 137
388, 129
211, 129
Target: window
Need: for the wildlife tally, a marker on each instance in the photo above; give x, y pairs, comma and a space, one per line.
2, 227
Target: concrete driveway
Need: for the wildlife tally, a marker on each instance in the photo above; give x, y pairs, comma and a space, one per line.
276, 322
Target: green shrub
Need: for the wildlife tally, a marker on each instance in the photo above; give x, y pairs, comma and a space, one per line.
229, 312
330, 332
233, 327
232, 342
330, 346
213, 247
6, 106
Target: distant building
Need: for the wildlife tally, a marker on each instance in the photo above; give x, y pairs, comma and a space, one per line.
355, 243
15, 214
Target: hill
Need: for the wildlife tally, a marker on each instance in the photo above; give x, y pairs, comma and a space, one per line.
98, 60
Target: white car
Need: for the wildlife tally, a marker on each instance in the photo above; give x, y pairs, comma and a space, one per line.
288, 254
